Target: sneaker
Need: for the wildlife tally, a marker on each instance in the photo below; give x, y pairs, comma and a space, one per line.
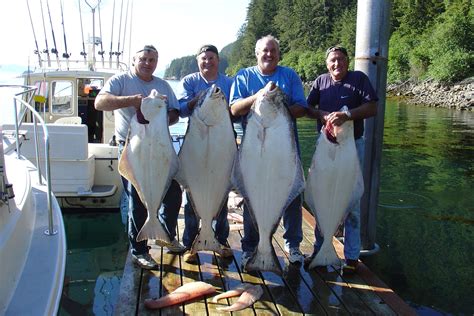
173, 247
226, 252
190, 257
245, 259
296, 256
350, 267
145, 261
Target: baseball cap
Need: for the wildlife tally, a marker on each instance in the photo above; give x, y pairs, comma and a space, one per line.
208, 48
148, 48
336, 48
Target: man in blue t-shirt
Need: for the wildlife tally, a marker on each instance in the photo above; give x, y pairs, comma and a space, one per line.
248, 83
330, 92
123, 94
190, 89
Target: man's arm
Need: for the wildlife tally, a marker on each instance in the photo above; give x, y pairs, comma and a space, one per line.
363, 111
109, 102
242, 106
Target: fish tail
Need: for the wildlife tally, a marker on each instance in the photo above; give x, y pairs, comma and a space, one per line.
326, 256
205, 240
264, 261
152, 229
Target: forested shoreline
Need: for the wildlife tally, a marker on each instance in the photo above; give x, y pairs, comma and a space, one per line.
431, 41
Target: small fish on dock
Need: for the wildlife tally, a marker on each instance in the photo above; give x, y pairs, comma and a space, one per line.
249, 294
184, 293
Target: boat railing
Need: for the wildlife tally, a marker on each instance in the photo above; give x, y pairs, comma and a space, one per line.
29, 92
78, 64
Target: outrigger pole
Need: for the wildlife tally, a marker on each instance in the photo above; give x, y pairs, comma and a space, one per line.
34, 36
112, 37
83, 53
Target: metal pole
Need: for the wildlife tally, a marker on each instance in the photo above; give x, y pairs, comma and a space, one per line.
371, 56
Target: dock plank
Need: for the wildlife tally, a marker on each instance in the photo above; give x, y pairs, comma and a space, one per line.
298, 291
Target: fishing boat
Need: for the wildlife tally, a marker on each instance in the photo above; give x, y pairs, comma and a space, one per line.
32, 236
84, 153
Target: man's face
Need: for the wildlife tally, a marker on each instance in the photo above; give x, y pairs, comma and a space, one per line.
145, 63
337, 64
208, 63
268, 57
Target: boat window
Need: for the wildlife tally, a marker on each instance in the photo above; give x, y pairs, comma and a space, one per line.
62, 97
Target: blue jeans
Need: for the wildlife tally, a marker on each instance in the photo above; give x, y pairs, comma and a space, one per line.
352, 222
292, 221
137, 213
191, 225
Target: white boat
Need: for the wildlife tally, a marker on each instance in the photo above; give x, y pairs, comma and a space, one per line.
32, 236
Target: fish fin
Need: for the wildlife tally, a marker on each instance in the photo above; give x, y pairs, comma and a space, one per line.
326, 256
264, 261
205, 241
153, 229
231, 293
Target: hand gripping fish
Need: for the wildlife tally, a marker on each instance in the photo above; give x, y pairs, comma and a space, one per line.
249, 294
268, 171
334, 184
206, 158
184, 293
149, 162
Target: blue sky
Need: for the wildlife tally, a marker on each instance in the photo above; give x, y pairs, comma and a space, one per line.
176, 27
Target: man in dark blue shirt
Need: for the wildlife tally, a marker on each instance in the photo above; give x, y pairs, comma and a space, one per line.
330, 92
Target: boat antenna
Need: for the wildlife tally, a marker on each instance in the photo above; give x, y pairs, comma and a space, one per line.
34, 36
45, 37
125, 28
53, 50
65, 54
101, 52
118, 53
130, 36
83, 53
112, 37
93, 32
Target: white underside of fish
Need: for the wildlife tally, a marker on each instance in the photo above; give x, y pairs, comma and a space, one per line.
206, 159
333, 184
269, 176
149, 162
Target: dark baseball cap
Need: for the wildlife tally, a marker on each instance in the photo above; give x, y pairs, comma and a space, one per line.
147, 48
208, 48
336, 48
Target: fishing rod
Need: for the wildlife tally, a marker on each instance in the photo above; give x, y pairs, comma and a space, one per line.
45, 37
83, 53
118, 53
112, 37
66, 54
34, 36
101, 52
125, 28
53, 50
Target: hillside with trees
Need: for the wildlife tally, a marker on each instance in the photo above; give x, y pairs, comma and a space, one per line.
430, 39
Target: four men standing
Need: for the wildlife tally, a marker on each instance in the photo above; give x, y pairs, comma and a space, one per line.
123, 94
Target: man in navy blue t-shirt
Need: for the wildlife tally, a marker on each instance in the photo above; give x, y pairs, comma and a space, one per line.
330, 92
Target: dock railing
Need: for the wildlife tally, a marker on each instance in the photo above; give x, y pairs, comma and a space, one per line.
29, 92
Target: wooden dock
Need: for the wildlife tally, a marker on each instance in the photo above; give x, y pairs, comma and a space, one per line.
297, 292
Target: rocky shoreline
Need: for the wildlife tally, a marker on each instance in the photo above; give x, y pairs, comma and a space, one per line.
459, 96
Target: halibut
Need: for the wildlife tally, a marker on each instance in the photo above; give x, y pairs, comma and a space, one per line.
149, 162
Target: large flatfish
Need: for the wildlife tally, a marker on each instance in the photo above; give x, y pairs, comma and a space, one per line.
268, 171
206, 159
334, 183
149, 162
